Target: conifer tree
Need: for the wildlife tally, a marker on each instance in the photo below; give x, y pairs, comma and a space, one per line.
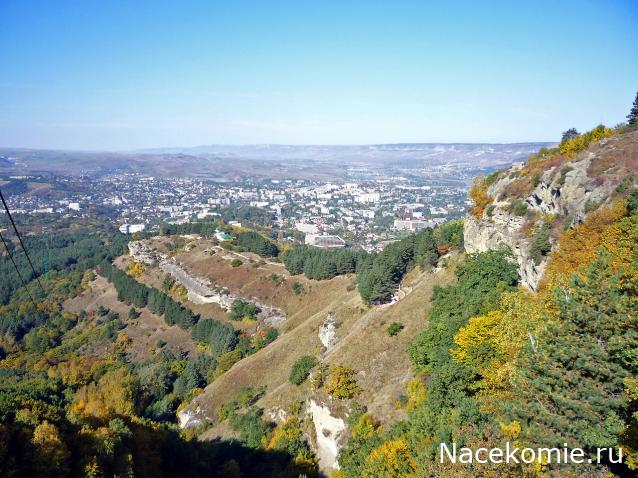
571, 387
632, 117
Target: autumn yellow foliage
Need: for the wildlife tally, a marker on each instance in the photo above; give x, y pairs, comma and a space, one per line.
572, 147
52, 452
490, 344
416, 393
112, 395
288, 431
393, 459
179, 290
580, 245
135, 269
478, 194
342, 382
366, 427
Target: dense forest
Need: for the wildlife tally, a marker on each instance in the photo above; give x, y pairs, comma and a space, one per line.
378, 274
254, 242
75, 251
72, 403
134, 293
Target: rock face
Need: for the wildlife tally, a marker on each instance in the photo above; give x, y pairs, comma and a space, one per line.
328, 332
566, 192
200, 290
188, 418
329, 431
503, 230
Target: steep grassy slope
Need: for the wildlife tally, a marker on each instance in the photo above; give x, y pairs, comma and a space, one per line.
144, 332
362, 343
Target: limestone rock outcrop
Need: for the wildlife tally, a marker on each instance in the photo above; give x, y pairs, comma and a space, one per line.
561, 194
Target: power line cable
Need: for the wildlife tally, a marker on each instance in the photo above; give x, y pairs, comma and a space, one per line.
6, 208
24, 284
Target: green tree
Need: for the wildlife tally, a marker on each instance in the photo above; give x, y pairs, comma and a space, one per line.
571, 384
301, 369
394, 328
632, 117
571, 133
243, 309
541, 245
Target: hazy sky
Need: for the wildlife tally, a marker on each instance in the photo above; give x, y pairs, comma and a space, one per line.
133, 74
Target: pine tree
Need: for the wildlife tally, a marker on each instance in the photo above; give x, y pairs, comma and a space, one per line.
571, 133
632, 117
571, 387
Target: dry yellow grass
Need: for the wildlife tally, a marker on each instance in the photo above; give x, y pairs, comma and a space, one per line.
143, 332
382, 364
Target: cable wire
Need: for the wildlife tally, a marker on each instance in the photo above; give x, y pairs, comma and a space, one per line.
6, 208
24, 284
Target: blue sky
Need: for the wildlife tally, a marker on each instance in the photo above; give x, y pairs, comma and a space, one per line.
132, 74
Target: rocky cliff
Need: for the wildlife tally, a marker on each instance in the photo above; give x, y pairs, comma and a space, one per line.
550, 190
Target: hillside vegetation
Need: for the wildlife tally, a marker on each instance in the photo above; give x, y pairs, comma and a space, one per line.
499, 363
338, 362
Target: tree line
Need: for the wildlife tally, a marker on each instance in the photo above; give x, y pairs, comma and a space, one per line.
133, 292
254, 242
322, 264
378, 274
74, 251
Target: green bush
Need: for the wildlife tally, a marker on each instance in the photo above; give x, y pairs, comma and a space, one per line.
297, 288
242, 308
518, 208
623, 185
394, 328
301, 369
541, 244
236, 263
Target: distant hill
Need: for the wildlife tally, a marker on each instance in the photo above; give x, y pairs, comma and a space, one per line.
433, 153
268, 161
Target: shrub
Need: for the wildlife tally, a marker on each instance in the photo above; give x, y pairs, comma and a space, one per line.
301, 369
226, 361
536, 180
541, 244
297, 288
236, 263
251, 426
563, 174
342, 382
133, 314
135, 269
591, 205
478, 194
243, 309
491, 179
518, 208
168, 282
102, 311
394, 328
623, 185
